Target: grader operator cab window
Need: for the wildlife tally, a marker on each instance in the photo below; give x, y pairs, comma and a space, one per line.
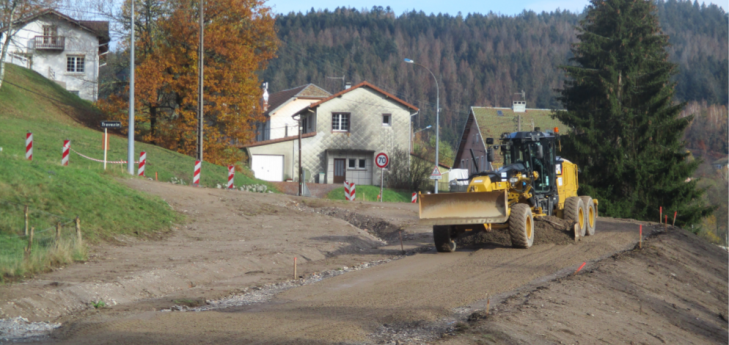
527, 153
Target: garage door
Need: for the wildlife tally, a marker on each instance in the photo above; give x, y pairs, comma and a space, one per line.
268, 167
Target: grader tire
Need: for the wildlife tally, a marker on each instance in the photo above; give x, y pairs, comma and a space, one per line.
574, 211
590, 214
442, 238
521, 226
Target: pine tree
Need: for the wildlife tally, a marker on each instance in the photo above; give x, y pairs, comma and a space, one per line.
626, 128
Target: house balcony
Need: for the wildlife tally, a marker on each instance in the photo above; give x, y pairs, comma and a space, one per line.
50, 43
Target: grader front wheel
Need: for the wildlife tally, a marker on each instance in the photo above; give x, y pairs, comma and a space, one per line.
444, 243
521, 226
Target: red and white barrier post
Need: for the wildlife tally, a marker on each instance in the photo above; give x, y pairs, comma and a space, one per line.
196, 174
414, 199
142, 162
231, 175
29, 146
64, 153
349, 191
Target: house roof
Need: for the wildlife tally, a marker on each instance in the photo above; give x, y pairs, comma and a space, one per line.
98, 28
723, 161
279, 140
491, 124
364, 84
278, 99
431, 161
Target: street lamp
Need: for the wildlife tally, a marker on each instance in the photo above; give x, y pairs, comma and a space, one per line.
420, 130
437, 114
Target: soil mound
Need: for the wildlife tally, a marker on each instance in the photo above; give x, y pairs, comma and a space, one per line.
547, 230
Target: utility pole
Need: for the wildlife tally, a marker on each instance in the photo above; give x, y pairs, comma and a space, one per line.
200, 89
130, 136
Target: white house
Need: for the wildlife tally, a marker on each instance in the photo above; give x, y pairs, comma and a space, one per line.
280, 106
61, 49
341, 135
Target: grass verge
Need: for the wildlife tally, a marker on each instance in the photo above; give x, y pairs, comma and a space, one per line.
369, 193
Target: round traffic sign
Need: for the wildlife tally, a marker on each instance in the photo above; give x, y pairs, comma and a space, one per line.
381, 160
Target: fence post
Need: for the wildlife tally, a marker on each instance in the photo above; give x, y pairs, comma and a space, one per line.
78, 230
26, 220
58, 233
29, 248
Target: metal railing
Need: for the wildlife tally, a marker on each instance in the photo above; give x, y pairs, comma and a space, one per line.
50, 42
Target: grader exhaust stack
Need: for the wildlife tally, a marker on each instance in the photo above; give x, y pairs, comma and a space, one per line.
464, 208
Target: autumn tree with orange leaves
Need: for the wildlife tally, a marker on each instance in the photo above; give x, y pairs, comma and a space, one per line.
239, 40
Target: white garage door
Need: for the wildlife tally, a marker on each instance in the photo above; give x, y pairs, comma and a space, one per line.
268, 167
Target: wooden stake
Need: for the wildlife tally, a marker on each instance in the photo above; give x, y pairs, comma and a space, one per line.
401, 246
295, 268
579, 269
78, 230
58, 232
26, 221
640, 238
660, 214
665, 224
29, 248
488, 303
674, 218
155, 176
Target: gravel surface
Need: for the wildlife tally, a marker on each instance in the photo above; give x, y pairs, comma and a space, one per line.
20, 329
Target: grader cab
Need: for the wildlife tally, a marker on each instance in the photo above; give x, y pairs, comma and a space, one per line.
533, 182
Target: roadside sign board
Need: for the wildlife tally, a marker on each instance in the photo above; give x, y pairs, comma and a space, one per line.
435, 175
381, 160
110, 124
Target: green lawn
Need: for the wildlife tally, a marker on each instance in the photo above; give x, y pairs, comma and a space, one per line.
369, 193
54, 193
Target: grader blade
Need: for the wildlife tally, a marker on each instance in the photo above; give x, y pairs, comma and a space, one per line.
463, 208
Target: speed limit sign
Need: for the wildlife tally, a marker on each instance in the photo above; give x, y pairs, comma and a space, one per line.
381, 160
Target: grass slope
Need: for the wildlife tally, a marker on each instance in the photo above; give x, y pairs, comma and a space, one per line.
369, 193
54, 193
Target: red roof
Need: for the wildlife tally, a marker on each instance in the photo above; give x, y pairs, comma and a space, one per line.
364, 84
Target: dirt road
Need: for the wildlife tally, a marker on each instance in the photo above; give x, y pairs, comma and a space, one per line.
235, 240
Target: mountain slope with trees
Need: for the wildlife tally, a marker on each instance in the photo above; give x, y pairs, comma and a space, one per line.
480, 59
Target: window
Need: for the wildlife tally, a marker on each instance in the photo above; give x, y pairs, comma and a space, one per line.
340, 122
50, 33
362, 164
352, 163
75, 64
386, 119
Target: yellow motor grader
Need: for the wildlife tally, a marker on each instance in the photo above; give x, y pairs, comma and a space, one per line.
533, 182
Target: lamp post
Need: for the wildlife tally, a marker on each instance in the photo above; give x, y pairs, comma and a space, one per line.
437, 114
130, 135
419, 130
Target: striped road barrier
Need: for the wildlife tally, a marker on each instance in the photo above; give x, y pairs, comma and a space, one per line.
142, 162
196, 174
29, 146
231, 175
349, 191
65, 152
414, 199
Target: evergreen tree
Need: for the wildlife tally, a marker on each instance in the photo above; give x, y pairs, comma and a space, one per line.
626, 128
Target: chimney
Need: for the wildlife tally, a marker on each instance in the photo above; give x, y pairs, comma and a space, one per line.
518, 106
347, 85
265, 97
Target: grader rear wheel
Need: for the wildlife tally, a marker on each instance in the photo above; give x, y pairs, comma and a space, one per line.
590, 214
574, 211
442, 238
521, 226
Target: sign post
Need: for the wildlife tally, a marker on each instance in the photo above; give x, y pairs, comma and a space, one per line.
105, 125
436, 175
381, 160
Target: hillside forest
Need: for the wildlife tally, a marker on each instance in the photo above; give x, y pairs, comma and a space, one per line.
479, 59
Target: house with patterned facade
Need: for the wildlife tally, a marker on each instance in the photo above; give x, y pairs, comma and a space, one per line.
60, 48
491, 122
341, 134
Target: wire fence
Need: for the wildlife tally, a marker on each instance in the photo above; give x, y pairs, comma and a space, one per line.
30, 237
